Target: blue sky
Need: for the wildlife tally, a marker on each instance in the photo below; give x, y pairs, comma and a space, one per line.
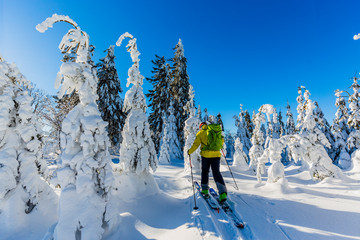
250, 52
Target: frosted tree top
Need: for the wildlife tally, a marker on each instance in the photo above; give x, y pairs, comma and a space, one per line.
134, 73
74, 41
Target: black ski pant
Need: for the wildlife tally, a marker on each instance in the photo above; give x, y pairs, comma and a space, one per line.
214, 163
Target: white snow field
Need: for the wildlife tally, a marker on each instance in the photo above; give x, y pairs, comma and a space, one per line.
293, 208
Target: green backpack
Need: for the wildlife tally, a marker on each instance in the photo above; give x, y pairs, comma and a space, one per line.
214, 138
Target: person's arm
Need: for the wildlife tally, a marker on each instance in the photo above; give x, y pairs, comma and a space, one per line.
196, 144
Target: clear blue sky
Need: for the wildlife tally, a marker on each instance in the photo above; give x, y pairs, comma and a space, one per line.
251, 52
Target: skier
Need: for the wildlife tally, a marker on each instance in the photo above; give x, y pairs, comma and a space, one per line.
210, 156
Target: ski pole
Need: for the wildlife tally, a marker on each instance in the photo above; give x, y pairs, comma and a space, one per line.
192, 180
236, 187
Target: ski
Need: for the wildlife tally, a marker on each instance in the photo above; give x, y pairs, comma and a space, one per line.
210, 201
228, 209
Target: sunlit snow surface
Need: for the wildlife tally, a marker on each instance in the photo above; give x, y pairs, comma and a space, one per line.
294, 209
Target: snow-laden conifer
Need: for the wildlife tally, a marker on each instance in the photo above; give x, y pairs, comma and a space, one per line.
21, 186
341, 132
353, 141
85, 173
229, 142
170, 141
290, 123
300, 109
159, 97
281, 123
219, 121
137, 152
257, 141
199, 113
309, 145
242, 131
325, 127
272, 123
249, 124
180, 88
190, 130
110, 102
206, 116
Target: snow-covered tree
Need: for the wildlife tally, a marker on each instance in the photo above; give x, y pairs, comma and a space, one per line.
271, 114
249, 124
281, 124
341, 132
110, 102
159, 97
85, 173
300, 109
199, 114
290, 123
137, 152
325, 127
170, 141
190, 130
274, 153
309, 145
20, 150
257, 141
219, 121
353, 141
242, 131
240, 158
180, 88
212, 119
229, 142
206, 116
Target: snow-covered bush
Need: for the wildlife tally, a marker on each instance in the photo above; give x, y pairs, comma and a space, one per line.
240, 158
85, 174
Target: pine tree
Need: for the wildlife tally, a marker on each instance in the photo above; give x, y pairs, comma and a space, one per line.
325, 127
20, 151
290, 123
309, 145
170, 149
242, 130
229, 142
159, 97
110, 102
137, 152
249, 124
206, 116
199, 114
180, 88
300, 109
85, 173
257, 141
341, 132
219, 121
281, 123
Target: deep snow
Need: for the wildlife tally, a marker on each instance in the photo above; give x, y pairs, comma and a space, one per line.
296, 208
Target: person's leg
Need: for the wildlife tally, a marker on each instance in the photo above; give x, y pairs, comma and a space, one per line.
205, 168
215, 168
